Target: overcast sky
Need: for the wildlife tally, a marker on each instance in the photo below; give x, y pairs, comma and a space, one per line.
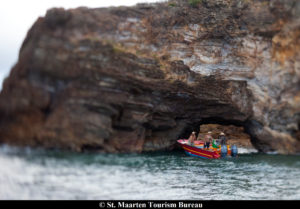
17, 16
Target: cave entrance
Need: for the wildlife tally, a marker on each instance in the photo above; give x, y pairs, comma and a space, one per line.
234, 130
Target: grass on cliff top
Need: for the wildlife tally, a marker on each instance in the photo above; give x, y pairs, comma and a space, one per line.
192, 3
195, 3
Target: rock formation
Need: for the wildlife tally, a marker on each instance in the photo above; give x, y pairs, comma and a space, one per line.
132, 79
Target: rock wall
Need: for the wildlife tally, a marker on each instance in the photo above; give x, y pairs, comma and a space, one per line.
132, 79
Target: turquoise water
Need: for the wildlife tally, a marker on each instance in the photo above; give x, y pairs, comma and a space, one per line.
40, 174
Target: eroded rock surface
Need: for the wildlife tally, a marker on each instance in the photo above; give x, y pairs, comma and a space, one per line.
132, 79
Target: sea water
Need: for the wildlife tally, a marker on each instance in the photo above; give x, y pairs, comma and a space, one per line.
37, 174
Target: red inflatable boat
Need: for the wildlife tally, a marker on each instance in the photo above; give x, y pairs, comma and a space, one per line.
197, 150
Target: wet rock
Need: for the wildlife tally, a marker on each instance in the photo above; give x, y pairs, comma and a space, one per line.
134, 79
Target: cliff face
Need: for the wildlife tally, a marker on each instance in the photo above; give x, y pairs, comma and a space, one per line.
133, 79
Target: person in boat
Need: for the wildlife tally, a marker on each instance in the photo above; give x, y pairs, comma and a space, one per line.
222, 138
192, 138
207, 139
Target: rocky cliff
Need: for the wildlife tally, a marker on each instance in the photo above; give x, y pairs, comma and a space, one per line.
132, 79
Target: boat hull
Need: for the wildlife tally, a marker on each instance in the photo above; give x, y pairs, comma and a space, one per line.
198, 151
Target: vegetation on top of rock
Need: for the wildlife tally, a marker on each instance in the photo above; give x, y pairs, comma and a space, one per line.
172, 4
195, 3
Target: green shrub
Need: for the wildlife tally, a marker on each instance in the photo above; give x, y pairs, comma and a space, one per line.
172, 4
194, 3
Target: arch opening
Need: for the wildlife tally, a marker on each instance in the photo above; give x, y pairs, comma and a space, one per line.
236, 131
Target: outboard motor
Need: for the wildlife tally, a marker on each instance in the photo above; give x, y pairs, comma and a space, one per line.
234, 150
223, 150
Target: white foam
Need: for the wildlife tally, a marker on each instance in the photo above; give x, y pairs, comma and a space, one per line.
242, 150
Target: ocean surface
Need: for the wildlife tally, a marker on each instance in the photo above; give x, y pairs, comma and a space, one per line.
46, 175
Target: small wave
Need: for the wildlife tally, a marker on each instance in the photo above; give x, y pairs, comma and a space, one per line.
13, 150
272, 153
242, 150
